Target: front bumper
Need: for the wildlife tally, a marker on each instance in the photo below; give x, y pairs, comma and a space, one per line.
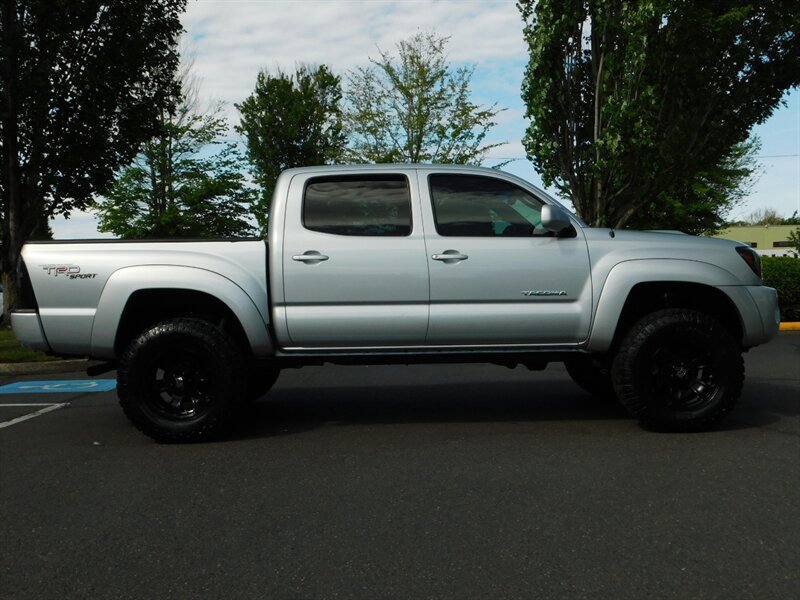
28, 330
766, 300
758, 311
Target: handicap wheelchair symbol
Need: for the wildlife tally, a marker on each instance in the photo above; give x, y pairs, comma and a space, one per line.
76, 386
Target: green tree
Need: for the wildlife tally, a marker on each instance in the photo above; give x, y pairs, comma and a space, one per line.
415, 108
291, 121
82, 83
794, 238
179, 186
641, 110
700, 205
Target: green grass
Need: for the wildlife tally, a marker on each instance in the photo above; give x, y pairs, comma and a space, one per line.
12, 352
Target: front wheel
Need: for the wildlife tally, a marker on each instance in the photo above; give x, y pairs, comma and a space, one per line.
678, 370
182, 380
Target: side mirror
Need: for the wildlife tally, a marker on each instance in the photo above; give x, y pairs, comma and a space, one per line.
554, 218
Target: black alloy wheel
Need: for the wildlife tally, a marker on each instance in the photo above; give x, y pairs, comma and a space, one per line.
179, 385
683, 374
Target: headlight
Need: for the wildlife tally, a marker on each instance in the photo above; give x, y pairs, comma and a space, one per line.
752, 259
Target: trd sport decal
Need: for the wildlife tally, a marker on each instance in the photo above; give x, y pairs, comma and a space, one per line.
68, 271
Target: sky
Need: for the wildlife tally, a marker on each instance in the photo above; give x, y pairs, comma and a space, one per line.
230, 41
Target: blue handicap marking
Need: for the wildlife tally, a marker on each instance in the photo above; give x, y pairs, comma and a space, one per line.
69, 386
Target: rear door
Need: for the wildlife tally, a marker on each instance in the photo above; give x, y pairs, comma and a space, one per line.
354, 264
498, 277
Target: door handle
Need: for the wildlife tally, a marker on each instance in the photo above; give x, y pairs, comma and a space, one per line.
450, 256
310, 256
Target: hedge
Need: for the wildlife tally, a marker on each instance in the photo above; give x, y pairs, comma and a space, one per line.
783, 273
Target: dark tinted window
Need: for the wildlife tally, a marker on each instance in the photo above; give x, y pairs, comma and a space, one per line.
358, 205
470, 205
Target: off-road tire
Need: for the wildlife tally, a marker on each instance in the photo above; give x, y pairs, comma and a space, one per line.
678, 370
182, 380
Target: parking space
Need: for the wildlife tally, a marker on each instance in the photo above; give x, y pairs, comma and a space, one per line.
27, 399
449, 481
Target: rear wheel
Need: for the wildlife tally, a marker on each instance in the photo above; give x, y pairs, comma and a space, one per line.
678, 370
182, 380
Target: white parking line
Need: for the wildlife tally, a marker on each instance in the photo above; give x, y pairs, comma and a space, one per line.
47, 408
33, 404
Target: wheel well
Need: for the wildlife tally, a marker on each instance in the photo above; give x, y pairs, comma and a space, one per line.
647, 297
145, 308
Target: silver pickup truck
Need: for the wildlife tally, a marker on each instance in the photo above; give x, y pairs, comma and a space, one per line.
403, 264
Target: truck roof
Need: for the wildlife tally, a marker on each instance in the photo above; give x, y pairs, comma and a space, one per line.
392, 167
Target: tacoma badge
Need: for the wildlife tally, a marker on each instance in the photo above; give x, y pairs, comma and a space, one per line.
544, 293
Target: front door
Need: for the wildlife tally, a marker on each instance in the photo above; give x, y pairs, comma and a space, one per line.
498, 277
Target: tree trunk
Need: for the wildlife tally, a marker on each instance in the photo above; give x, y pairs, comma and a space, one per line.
12, 203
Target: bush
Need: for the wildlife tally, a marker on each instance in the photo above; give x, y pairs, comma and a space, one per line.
783, 273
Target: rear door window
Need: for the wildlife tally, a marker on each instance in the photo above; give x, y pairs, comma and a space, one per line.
372, 205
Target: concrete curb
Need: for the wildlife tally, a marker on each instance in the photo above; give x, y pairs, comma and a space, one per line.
790, 326
53, 366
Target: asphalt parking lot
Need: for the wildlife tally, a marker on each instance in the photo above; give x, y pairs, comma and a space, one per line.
456, 481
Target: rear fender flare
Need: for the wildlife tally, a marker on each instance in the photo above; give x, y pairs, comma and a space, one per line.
124, 282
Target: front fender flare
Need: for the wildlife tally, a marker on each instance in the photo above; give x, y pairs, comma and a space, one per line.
624, 276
